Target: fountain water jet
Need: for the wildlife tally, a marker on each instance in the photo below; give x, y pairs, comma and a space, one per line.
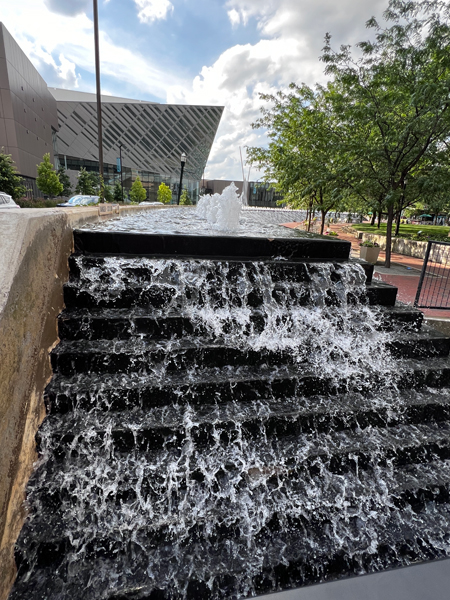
222, 211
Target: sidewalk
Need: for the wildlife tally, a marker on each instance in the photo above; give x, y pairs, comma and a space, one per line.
404, 273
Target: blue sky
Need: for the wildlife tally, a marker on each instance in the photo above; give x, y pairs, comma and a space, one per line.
213, 52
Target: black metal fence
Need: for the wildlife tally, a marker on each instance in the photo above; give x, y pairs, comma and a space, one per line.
433, 290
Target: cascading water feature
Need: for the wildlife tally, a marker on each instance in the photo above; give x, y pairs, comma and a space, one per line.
221, 427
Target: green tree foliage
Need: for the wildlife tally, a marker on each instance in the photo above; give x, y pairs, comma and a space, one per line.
138, 192
164, 194
392, 104
109, 196
385, 117
85, 183
300, 157
47, 179
117, 192
10, 182
65, 182
185, 198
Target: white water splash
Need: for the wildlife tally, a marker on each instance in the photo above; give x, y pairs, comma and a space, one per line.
222, 211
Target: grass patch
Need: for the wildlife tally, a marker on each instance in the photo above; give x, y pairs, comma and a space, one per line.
409, 232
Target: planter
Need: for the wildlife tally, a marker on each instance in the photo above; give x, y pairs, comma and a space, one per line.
369, 254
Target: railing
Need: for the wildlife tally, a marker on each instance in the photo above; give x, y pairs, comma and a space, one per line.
433, 290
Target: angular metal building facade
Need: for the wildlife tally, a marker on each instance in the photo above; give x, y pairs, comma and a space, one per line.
153, 137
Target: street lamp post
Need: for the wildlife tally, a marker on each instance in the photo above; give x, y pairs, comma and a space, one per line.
183, 162
121, 169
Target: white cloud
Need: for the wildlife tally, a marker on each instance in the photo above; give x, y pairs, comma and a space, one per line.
42, 34
292, 33
151, 10
67, 72
235, 80
234, 17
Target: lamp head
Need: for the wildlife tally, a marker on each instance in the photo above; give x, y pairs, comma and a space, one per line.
183, 159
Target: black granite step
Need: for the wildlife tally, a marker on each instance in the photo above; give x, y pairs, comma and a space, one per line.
167, 297
121, 324
208, 386
205, 427
426, 343
307, 246
381, 293
141, 356
290, 562
140, 270
410, 488
301, 565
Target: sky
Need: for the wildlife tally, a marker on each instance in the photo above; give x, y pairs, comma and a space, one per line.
203, 52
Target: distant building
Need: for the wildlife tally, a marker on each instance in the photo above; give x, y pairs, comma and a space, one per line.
35, 119
258, 193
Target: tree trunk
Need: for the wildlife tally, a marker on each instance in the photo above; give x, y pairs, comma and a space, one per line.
324, 214
380, 214
397, 223
390, 220
374, 216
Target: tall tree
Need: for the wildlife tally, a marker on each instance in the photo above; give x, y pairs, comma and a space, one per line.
10, 182
392, 103
118, 192
300, 156
164, 193
185, 198
85, 184
65, 181
47, 179
138, 193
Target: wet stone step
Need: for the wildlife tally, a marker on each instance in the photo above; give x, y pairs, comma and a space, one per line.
88, 268
381, 293
142, 356
210, 386
306, 246
167, 494
110, 324
294, 573
208, 426
51, 524
123, 392
169, 297
339, 450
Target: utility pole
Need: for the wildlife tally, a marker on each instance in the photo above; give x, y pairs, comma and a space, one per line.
121, 168
99, 101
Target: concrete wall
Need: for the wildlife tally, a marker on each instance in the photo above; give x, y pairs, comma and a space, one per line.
34, 248
399, 245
